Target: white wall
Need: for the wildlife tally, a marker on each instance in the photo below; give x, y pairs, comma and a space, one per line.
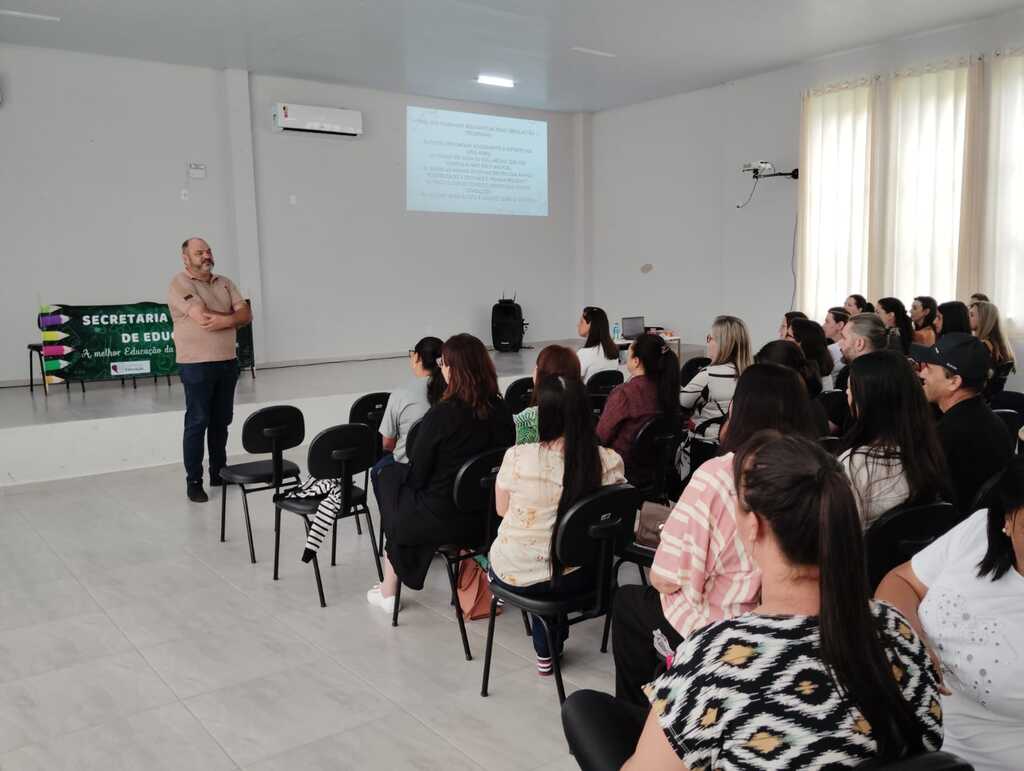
347, 271
666, 182
93, 154
92, 163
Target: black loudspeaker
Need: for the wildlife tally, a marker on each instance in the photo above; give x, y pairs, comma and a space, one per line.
507, 326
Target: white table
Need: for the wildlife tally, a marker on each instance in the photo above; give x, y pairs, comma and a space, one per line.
672, 340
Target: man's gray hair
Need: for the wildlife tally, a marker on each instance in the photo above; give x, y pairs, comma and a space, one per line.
870, 327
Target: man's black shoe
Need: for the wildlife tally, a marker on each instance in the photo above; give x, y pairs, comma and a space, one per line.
216, 481
196, 493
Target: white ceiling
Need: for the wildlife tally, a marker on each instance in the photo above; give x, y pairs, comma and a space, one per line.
437, 47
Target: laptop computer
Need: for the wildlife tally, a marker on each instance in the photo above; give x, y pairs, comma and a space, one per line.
632, 327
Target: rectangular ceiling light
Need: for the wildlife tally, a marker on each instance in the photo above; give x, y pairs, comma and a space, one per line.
494, 80
26, 15
592, 52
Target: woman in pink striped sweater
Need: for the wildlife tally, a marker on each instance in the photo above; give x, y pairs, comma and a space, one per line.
702, 572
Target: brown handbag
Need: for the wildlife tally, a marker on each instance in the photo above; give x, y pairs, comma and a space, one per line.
474, 590
651, 519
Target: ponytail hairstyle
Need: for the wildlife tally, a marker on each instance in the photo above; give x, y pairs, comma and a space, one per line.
861, 303
556, 361
599, 333
429, 351
563, 412
662, 366
804, 497
1007, 504
902, 322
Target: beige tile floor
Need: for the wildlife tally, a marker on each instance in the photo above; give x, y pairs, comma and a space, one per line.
131, 638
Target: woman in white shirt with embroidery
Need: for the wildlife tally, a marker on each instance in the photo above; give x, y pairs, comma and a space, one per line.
599, 352
965, 594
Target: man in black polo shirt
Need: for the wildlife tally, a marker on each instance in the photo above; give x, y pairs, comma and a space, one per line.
975, 440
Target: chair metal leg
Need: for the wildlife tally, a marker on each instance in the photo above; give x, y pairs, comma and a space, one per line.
452, 577
223, 509
490, 646
248, 525
334, 543
319, 583
554, 660
643, 576
373, 546
607, 629
527, 625
359, 528
398, 604
380, 538
31, 372
277, 538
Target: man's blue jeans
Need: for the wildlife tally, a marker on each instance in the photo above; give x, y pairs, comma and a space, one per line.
209, 405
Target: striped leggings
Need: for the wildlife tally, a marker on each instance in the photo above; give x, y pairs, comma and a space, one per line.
326, 513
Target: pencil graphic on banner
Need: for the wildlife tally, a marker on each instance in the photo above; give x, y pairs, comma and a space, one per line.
53, 337
54, 320
57, 350
53, 380
52, 365
49, 308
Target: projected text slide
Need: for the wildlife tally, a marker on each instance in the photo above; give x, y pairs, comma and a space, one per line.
476, 164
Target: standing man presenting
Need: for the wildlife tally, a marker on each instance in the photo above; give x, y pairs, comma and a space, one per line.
206, 310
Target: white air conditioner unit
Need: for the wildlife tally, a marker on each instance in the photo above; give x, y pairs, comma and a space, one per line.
317, 120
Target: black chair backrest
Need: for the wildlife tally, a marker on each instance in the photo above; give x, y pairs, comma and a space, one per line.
410, 440
350, 444
1008, 400
604, 382
518, 394
983, 498
472, 497
1013, 420
836, 405
592, 531
653, 452
703, 450
927, 761
1000, 375
902, 532
369, 409
691, 367
281, 426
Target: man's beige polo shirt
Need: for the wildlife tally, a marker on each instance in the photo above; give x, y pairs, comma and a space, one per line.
193, 343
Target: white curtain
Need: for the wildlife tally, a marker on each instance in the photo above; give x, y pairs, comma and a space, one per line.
1001, 263
835, 188
927, 127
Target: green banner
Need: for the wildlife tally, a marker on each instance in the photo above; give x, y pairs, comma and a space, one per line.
101, 342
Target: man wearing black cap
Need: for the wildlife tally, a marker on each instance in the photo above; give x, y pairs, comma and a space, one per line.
975, 440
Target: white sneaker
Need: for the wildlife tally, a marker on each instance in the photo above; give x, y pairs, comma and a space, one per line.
374, 597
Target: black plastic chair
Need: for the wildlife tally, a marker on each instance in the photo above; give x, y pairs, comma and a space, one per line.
702, 450
369, 409
269, 430
1014, 421
652, 455
599, 386
927, 761
518, 394
902, 532
837, 407
690, 368
997, 382
829, 444
339, 452
983, 498
473, 495
585, 536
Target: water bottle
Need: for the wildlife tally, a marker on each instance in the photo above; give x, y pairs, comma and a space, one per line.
616, 331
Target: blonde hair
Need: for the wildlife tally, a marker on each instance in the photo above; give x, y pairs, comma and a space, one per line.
990, 332
733, 339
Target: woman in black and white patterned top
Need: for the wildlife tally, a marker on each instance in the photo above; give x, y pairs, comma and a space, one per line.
816, 676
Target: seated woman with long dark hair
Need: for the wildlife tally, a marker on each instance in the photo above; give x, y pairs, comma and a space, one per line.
701, 571
810, 336
537, 484
816, 675
922, 312
416, 505
952, 317
599, 351
893, 314
653, 389
891, 452
552, 361
789, 354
